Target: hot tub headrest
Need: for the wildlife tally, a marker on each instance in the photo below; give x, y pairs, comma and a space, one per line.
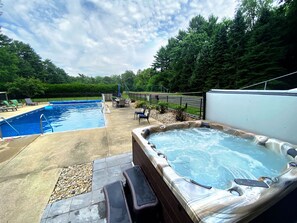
292, 152
252, 183
145, 133
205, 124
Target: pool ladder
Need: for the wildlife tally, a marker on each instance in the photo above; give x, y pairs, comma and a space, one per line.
9, 125
41, 127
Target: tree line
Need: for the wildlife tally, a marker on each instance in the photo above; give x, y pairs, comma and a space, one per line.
259, 43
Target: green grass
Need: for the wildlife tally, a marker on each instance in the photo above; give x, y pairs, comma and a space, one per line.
190, 109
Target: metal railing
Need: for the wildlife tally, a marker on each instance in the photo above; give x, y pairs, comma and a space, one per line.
41, 127
8, 125
265, 83
196, 101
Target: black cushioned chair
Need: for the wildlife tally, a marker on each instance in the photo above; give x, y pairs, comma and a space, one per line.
146, 115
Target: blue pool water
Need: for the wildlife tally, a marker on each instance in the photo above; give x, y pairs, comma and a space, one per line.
214, 158
61, 116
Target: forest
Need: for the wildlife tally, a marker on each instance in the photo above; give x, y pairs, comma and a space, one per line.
259, 43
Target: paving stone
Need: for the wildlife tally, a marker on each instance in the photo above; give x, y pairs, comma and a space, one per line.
100, 221
81, 201
114, 171
118, 160
115, 178
99, 164
90, 207
46, 211
100, 160
97, 196
100, 178
102, 209
126, 166
87, 214
43, 220
60, 207
63, 218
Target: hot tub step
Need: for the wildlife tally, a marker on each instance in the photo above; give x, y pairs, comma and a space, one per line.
116, 204
144, 200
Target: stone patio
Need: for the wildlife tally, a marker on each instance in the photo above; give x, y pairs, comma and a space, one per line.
89, 207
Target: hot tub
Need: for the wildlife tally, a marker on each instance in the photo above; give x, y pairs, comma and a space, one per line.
189, 200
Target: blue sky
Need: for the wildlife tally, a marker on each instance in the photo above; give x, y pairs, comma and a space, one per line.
103, 37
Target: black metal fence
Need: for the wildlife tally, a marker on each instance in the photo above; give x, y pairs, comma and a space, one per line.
195, 103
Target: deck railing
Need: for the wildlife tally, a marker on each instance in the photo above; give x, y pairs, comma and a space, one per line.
194, 102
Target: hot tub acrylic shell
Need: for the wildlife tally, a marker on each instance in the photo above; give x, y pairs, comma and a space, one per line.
238, 203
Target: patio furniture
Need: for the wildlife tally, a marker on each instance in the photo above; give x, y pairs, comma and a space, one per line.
127, 102
9, 106
30, 102
146, 115
16, 103
114, 102
141, 112
121, 103
3, 108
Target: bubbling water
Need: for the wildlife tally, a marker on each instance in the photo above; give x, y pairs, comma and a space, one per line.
214, 158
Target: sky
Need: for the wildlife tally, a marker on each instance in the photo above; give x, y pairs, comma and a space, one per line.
103, 37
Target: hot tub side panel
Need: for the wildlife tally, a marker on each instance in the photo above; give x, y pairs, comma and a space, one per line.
172, 211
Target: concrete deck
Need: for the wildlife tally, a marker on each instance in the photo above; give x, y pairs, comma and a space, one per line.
30, 166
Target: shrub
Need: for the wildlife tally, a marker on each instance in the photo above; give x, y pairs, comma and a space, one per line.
140, 104
25, 87
162, 107
180, 113
78, 89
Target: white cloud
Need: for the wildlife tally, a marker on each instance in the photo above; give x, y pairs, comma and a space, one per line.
96, 37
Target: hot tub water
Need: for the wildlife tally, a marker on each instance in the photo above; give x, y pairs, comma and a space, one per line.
214, 158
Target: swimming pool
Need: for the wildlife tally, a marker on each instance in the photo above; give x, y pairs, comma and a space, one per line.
56, 117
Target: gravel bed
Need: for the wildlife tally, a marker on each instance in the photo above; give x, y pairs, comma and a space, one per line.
166, 118
73, 180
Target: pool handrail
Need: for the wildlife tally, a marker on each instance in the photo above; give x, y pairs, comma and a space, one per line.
41, 127
4, 119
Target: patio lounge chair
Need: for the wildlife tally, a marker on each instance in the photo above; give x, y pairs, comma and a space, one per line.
9, 106
3, 108
141, 112
121, 103
114, 102
146, 115
30, 102
16, 103
127, 102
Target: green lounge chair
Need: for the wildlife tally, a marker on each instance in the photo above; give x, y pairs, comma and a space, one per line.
16, 103
9, 106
